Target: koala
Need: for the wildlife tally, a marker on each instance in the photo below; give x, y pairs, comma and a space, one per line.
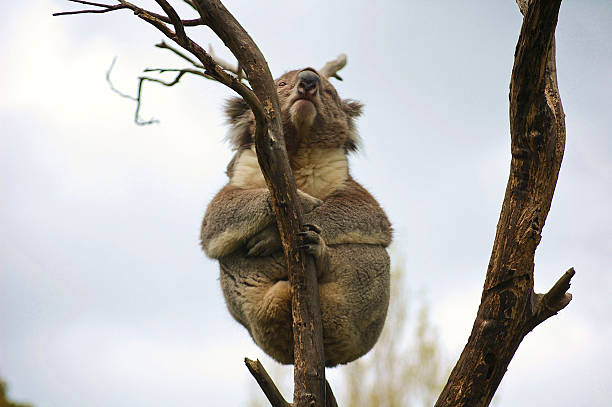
346, 230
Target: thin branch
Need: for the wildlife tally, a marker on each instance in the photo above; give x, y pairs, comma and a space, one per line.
556, 298
208, 62
236, 70
266, 383
179, 29
549, 304
330, 69
219, 61
165, 45
211, 67
178, 77
142, 79
105, 8
136, 99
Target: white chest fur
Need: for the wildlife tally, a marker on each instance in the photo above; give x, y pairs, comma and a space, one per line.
318, 172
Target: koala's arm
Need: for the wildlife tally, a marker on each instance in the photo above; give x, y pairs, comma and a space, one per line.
351, 215
235, 215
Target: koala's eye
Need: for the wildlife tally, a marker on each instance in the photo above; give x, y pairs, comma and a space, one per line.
281, 84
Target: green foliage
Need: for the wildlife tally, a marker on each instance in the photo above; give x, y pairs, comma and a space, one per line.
4, 401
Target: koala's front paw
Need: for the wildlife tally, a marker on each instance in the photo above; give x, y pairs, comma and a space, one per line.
264, 243
308, 202
313, 244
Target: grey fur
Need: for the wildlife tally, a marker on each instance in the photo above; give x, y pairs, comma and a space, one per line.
346, 232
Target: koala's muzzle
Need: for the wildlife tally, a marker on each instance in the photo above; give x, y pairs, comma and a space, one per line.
308, 83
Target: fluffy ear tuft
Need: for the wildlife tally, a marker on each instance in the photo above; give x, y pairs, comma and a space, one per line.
239, 118
353, 109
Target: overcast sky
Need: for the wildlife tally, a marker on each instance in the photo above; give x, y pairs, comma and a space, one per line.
106, 298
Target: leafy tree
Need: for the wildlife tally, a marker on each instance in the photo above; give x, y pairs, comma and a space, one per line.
4, 401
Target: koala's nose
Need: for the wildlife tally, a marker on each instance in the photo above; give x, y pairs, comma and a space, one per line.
308, 80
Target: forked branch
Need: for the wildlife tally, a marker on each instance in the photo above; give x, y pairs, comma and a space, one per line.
509, 308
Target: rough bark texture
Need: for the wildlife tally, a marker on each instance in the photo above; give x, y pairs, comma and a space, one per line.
509, 308
265, 382
309, 371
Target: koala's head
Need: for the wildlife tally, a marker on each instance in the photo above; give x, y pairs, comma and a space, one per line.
312, 113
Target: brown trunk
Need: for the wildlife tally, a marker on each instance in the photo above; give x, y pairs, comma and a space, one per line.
309, 360
509, 308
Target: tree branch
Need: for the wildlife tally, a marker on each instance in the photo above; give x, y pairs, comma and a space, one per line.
546, 305
509, 308
136, 99
309, 375
265, 382
164, 45
236, 70
105, 8
309, 362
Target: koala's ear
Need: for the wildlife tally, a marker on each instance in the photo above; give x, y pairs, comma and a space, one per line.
234, 108
239, 119
353, 109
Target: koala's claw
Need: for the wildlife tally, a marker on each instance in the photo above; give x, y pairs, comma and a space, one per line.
311, 240
312, 227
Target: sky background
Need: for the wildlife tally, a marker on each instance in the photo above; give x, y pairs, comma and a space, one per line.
105, 296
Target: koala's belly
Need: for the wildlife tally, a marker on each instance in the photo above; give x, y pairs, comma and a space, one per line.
354, 294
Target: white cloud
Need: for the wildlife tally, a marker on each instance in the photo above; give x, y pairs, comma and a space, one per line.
51, 79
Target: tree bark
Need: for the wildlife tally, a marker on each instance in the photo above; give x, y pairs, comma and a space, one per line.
309, 360
509, 308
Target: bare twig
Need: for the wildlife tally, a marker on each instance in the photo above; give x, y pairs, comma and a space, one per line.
265, 382
105, 8
175, 20
136, 99
236, 70
546, 305
165, 45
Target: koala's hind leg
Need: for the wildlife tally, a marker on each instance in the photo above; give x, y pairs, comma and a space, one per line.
258, 295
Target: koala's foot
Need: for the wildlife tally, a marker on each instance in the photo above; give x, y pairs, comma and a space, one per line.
313, 244
264, 243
